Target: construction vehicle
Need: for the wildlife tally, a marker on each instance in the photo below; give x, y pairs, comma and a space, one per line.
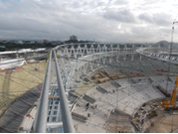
152, 114
168, 105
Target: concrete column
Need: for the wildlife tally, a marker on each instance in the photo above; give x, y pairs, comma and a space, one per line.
133, 52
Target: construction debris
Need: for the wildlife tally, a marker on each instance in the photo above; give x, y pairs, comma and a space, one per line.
102, 80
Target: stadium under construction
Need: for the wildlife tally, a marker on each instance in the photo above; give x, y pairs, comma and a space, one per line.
89, 88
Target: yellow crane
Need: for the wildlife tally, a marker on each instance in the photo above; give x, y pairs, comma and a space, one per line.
172, 103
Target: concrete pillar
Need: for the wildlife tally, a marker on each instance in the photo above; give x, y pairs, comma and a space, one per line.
133, 51
140, 57
17, 55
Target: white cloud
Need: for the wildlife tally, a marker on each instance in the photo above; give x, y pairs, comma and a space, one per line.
122, 15
103, 20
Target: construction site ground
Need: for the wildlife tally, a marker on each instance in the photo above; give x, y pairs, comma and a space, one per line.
105, 114
14, 83
166, 122
83, 87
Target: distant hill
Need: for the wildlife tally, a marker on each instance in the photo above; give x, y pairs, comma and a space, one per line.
166, 44
162, 44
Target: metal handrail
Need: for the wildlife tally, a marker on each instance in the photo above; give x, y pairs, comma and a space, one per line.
66, 115
40, 126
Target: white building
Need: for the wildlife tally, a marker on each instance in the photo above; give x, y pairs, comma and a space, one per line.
19, 42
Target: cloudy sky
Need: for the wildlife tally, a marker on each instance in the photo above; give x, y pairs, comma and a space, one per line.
100, 20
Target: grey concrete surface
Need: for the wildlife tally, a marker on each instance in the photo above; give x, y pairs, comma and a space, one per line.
128, 98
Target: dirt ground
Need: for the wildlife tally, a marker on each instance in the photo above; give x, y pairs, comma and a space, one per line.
15, 83
167, 124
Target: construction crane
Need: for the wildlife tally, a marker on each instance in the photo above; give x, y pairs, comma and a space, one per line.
172, 103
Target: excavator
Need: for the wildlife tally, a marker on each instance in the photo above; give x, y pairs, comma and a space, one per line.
171, 105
